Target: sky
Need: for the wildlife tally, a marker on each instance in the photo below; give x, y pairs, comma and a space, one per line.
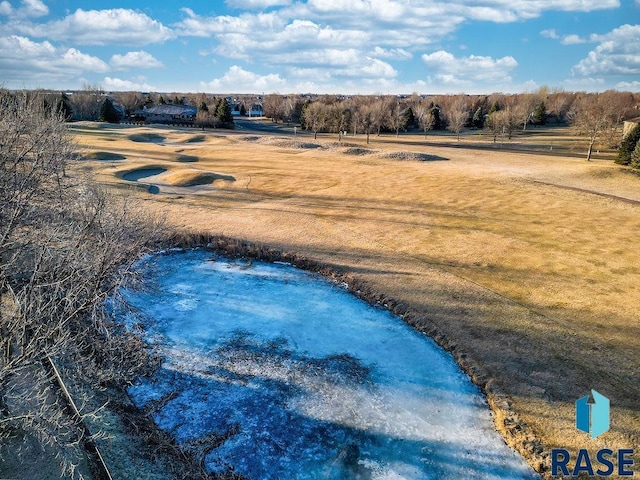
321, 46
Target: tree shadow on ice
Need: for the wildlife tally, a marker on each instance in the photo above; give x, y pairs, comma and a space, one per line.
272, 413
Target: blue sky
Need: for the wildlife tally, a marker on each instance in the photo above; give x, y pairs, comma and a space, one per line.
321, 46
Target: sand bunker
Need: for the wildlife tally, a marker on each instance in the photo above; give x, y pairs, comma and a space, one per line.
421, 157
192, 179
105, 156
146, 138
140, 173
187, 158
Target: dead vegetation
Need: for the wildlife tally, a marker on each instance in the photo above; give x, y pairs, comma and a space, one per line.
66, 247
516, 263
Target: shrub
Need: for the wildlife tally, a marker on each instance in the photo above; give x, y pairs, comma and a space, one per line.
628, 145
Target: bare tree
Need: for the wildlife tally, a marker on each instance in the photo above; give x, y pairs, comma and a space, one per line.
592, 115
457, 115
338, 117
65, 249
378, 114
367, 115
86, 103
425, 116
397, 118
314, 116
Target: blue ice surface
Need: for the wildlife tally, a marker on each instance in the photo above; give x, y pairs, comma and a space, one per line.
281, 373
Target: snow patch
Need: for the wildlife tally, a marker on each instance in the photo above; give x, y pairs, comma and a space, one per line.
283, 374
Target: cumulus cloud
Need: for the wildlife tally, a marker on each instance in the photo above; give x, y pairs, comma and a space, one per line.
239, 80
618, 53
572, 40
257, 4
28, 9
23, 60
117, 84
5, 8
565, 39
550, 33
629, 86
139, 59
392, 53
445, 68
116, 26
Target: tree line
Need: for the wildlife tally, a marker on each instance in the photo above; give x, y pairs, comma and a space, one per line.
597, 116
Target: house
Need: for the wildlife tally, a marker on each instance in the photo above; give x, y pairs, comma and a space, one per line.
170, 114
629, 124
255, 110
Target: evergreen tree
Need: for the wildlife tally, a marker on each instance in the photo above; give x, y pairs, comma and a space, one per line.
64, 107
628, 145
635, 157
478, 119
437, 121
411, 118
108, 113
223, 112
540, 114
203, 107
161, 100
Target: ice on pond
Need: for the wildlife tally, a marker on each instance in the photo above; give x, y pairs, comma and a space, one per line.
283, 374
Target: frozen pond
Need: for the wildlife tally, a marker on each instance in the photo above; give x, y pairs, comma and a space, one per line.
285, 375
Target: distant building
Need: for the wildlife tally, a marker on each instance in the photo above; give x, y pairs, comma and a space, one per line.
170, 114
255, 110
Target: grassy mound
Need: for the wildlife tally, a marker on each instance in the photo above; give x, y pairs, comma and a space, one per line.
195, 139
358, 151
192, 179
421, 157
105, 156
146, 138
187, 159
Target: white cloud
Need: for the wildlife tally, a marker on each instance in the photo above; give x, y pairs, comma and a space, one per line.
33, 8
25, 61
117, 84
633, 86
239, 80
445, 68
393, 53
572, 40
29, 8
76, 60
565, 40
139, 59
374, 68
5, 8
617, 54
116, 26
257, 4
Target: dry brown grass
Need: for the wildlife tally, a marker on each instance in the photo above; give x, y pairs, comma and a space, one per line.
532, 284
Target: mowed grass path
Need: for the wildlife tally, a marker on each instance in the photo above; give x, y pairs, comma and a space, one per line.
535, 283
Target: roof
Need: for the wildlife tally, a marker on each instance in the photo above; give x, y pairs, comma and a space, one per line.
172, 110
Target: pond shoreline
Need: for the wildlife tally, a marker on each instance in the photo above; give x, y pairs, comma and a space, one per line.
513, 429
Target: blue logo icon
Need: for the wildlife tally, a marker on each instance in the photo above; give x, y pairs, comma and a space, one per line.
592, 416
